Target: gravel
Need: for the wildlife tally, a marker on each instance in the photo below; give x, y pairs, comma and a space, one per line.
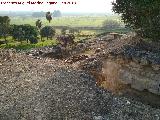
53, 90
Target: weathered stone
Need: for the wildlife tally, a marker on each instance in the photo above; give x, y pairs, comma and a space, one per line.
125, 76
144, 61
56, 53
154, 87
76, 58
136, 60
156, 67
91, 64
138, 84
98, 50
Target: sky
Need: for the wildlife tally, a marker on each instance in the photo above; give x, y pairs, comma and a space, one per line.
91, 6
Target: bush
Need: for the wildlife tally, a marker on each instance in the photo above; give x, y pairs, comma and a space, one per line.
23, 32
48, 32
111, 24
33, 40
63, 31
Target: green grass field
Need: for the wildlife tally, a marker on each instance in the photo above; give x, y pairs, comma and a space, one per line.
26, 46
66, 21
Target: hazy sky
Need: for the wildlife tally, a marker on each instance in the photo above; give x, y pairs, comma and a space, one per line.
81, 6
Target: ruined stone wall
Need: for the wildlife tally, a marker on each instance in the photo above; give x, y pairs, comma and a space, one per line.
118, 71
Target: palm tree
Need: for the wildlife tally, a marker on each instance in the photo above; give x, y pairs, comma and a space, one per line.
39, 24
4, 27
49, 16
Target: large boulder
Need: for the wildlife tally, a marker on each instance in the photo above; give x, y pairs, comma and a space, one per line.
91, 64
77, 58
56, 53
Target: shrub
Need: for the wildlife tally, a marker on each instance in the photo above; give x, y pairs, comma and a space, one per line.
63, 31
48, 32
111, 24
23, 32
33, 40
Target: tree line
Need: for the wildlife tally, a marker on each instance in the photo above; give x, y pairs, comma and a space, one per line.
24, 32
29, 33
56, 13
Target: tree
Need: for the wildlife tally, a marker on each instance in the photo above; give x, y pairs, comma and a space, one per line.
47, 31
24, 32
4, 27
15, 31
57, 13
49, 16
31, 33
20, 34
141, 15
39, 24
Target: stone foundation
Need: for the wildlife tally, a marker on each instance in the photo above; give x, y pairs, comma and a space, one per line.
138, 76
